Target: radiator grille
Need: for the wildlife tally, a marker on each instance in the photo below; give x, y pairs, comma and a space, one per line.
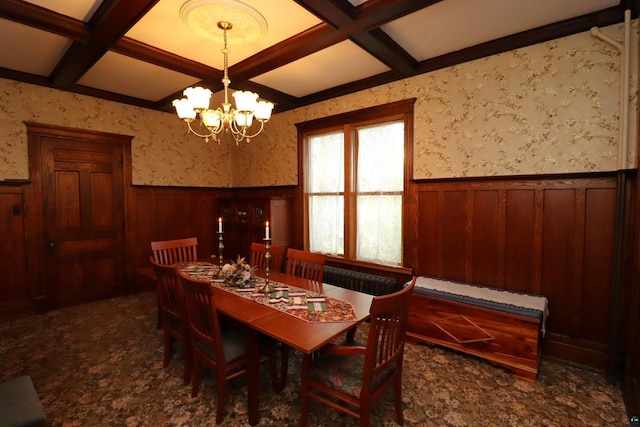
358, 281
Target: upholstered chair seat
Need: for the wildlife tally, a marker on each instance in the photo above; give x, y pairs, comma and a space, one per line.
20, 405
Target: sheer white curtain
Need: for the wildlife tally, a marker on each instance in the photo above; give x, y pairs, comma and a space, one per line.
326, 193
379, 187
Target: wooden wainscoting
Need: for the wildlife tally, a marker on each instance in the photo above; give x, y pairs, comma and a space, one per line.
164, 213
15, 294
546, 236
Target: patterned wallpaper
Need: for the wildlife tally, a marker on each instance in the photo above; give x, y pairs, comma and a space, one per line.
162, 151
548, 108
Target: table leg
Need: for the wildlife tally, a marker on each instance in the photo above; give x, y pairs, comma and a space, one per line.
253, 375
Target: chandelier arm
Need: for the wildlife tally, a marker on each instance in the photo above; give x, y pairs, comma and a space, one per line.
243, 131
193, 131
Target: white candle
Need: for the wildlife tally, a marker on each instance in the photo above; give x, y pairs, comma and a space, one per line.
220, 225
266, 230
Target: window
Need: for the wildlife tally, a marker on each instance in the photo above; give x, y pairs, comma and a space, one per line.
354, 173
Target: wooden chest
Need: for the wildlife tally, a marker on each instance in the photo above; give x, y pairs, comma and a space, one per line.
503, 335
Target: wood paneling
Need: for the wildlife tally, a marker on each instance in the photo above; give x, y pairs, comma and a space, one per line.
488, 243
598, 262
166, 213
558, 283
521, 260
14, 293
427, 240
451, 236
174, 213
552, 237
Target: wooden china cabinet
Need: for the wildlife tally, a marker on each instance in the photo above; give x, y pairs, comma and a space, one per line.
244, 221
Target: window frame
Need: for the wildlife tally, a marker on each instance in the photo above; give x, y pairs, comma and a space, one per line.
348, 124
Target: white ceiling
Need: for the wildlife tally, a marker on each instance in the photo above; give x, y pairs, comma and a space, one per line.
426, 34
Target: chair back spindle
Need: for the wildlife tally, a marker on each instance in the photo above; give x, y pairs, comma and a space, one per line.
308, 265
257, 256
168, 252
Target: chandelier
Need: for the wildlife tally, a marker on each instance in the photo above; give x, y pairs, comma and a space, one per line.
239, 121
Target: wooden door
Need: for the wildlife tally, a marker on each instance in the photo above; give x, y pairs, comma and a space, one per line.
83, 212
79, 220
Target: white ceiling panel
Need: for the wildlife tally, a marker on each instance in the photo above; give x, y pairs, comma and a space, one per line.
30, 50
311, 50
340, 64
451, 25
175, 36
121, 74
78, 9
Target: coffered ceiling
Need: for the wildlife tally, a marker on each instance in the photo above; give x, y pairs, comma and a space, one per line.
141, 52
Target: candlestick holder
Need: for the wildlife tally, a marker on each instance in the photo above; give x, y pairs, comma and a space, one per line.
220, 251
267, 288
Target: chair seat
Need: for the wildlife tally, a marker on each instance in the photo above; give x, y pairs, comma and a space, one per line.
343, 373
20, 405
233, 344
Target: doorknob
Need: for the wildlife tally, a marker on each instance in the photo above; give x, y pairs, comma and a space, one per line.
52, 247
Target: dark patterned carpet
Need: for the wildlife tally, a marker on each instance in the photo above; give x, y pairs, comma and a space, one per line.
100, 364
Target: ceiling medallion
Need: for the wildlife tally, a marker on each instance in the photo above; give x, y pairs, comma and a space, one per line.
202, 16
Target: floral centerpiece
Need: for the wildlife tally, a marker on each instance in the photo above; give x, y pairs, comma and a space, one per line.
238, 274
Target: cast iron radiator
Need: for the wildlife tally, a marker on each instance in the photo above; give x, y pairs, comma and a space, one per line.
358, 281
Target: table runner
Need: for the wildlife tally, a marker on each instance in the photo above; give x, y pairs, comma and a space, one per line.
304, 304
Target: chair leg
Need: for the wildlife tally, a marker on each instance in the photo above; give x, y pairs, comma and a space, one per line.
167, 350
365, 417
196, 378
188, 357
159, 322
351, 334
398, 398
187, 370
221, 399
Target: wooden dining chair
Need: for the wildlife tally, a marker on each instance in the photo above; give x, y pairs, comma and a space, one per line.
169, 252
175, 326
352, 379
308, 265
221, 347
257, 252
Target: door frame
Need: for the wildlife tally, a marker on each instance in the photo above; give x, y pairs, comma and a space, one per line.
34, 219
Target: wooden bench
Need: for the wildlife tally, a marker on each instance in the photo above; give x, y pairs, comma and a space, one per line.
505, 328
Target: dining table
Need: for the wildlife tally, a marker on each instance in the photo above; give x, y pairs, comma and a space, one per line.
267, 314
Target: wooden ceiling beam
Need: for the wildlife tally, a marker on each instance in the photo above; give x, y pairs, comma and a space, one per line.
354, 23
362, 24
162, 58
43, 19
110, 22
